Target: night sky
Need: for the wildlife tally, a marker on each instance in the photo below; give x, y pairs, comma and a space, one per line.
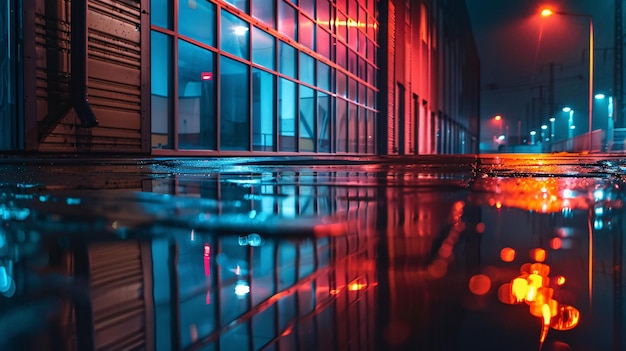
517, 47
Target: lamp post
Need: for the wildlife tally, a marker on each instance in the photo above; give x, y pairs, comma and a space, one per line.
609, 115
570, 121
547, 12
552, 120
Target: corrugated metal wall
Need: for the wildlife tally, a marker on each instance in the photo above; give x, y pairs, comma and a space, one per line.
114, 79
116, 313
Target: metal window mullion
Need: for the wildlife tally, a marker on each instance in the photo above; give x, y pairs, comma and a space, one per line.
250, 324
218, 69
276, 286
175, 78
218, 284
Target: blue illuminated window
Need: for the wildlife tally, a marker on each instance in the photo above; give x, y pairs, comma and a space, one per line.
263, 102
196, 97
197, 20
234, 35
161, 72
234, 105
263, 48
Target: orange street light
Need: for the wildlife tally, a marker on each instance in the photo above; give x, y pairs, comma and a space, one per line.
498, 117
547, 12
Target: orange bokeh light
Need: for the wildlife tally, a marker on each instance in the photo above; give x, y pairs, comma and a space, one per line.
556, 243
497, 117
546, 12
538, 254
507, 254
479, 284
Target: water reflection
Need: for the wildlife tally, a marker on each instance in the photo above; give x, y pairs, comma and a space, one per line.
363, 259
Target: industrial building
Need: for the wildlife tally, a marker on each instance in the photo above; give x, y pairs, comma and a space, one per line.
238, 77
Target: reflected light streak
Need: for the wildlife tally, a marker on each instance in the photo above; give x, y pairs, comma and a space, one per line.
537, 194
532, 287
207, 260
590, 261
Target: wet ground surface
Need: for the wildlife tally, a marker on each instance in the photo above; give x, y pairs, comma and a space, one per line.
518, 252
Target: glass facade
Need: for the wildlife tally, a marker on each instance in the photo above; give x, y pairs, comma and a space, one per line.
264, 76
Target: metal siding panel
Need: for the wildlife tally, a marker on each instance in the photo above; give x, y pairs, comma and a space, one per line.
114, 77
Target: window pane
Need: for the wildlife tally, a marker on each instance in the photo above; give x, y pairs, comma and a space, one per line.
352, 9
287, 115
161, 13
323, 43
362, 98
352, 62
353, 128
196, 97
234, 105
287, 60
342, 85
287, 17
361, 71
323, 76
352, 89
263, 91
370, 74
307, 32
362, 43
308, 6
342, 52
264, 10
307, 119
371, 98
263, 48
371, 138
342, 27
323, 13
161, 88
323, 122
362, 131
196, 19
240, 4
234, 35
307, 68
342, 125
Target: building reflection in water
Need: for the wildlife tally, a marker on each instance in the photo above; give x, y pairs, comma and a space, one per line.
363, 260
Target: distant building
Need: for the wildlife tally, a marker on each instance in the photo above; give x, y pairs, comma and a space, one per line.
239, 77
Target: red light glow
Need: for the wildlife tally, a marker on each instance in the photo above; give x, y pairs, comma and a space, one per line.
479, 284
507, 254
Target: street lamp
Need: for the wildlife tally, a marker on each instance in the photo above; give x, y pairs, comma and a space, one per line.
547, 12
609, 115
570, 121
552, 120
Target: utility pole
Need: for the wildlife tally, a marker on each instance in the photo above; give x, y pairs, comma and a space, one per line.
541, 108
551, 105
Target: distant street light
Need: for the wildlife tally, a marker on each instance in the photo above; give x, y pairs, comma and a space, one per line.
548, 12
552, 120
570, 122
